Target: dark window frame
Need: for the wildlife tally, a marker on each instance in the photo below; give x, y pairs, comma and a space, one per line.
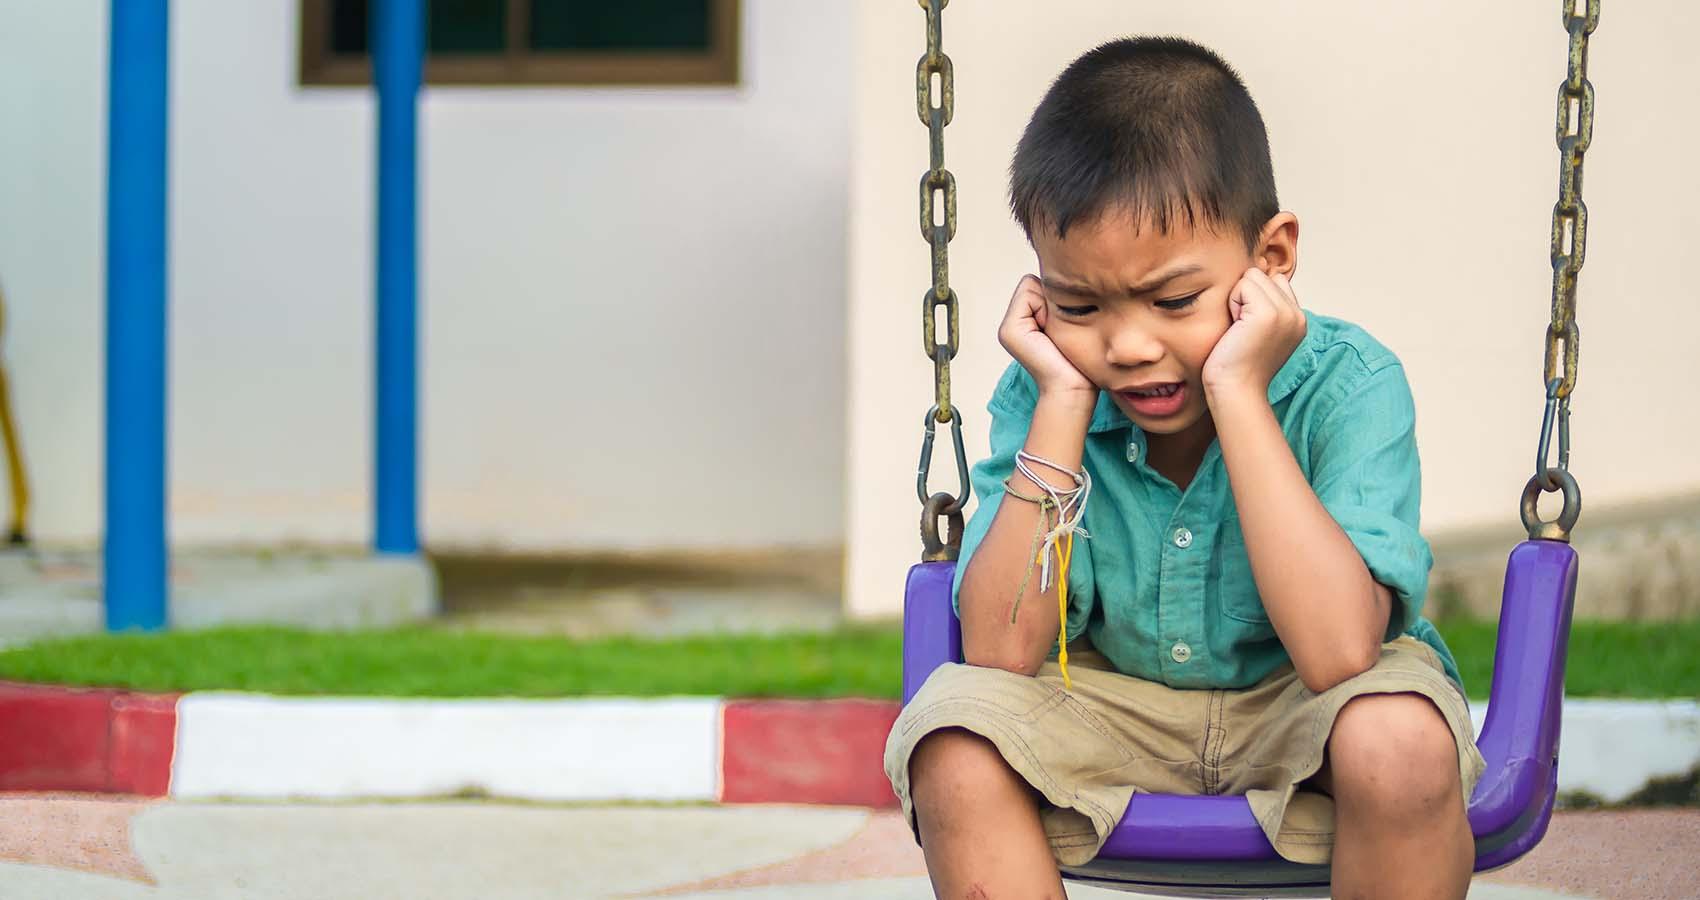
520, 65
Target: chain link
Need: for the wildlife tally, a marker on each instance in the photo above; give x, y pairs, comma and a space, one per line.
937, 182
1574, 132
936, 111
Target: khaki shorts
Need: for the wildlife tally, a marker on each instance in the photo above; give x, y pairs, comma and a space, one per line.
1089, 750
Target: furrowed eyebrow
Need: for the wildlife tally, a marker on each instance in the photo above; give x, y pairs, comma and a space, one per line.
1156, 282
1149, 286
1063, 287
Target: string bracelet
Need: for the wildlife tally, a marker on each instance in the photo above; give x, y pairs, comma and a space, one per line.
1052, 539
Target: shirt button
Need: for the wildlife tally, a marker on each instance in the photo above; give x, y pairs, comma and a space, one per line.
1180, 652
1132, 452
1183, 538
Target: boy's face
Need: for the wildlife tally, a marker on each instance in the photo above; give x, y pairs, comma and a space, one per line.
1138, 311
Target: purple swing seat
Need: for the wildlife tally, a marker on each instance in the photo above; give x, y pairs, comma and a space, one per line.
1211, 846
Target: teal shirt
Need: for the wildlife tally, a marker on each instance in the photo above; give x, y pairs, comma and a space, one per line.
1163, 586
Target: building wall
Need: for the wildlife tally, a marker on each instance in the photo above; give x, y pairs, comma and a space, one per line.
632, 299
1415, 143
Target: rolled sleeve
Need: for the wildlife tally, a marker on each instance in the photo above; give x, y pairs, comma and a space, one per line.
1366, 472
1011, 409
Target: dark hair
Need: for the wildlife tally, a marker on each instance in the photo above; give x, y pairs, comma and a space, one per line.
1159, 124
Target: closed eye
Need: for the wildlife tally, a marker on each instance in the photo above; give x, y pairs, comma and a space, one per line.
1076, 311
1179, 302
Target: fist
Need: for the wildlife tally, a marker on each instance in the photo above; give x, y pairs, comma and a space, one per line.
1022, 333
1266, 327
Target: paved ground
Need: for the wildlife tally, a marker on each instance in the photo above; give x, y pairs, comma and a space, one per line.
50, 592
95, 849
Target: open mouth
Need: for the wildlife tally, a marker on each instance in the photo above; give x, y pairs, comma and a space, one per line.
1157, 400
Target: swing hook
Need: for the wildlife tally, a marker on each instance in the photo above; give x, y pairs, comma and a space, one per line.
941, 504
1552, 478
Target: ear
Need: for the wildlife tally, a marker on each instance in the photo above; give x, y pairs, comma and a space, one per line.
1278, 245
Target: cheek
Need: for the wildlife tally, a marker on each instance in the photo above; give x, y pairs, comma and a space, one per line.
1202, 334
1077, 344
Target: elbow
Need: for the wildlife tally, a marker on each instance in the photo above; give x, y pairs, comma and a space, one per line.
1319, 682
1008, 651
1009, 659
1348, 650
992, 644
1340, 667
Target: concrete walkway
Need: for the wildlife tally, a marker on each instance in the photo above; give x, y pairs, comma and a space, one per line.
103, 849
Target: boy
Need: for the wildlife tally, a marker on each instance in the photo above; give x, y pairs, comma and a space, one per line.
1227, 489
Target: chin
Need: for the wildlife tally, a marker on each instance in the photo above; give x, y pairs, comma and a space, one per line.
1187, 418
1174, 425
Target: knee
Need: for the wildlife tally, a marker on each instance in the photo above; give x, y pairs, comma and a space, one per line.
951, 768
1394, 753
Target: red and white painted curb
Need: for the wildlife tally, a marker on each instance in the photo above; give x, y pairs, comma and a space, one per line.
675, 749
247, 745
63, 739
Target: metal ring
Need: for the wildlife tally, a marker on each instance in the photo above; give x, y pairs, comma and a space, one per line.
933, 549
1558, 529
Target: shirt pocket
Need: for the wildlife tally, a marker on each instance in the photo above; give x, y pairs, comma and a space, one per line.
1232, 581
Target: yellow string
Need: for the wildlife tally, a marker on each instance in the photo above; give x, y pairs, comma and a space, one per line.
1037, 551
1064, 553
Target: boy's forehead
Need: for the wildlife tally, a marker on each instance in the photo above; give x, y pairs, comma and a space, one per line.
1130, 245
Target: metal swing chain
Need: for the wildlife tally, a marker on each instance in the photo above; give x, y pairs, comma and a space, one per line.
1569, 244
937, 182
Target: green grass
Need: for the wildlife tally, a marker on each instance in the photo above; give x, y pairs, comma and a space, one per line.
1606, 659
422, 662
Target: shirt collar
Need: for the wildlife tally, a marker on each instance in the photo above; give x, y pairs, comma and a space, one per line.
1107, 416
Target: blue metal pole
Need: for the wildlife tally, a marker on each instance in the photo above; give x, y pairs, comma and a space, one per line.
136, 235
398, 30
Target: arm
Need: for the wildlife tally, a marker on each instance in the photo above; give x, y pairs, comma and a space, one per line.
1328, 610
1326, 607
995, 571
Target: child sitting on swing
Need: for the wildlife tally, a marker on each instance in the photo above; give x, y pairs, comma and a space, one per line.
1195, 567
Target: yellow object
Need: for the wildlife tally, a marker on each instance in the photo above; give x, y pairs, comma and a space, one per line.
14, 456
1063, 554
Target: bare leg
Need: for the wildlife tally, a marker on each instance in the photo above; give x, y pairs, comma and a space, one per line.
1400, 826
979, 822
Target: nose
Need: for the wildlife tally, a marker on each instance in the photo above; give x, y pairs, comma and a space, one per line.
1130, 346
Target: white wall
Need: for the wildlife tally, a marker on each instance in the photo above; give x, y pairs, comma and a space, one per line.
632, 298
52, 157
1415, 142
